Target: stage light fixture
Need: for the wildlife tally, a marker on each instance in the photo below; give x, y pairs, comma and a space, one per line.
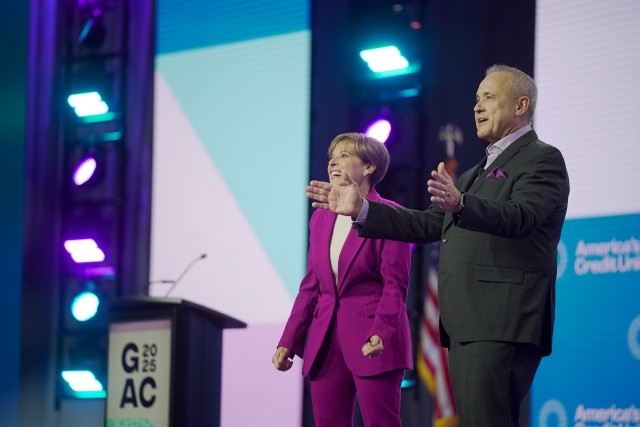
379, 129
388, 61
93, 176
93, 32
84, 384
85, 306
104, 272
84, 250
384, 59
88, 104
85, 303
84, 170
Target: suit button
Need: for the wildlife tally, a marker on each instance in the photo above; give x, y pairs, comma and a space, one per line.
445, 240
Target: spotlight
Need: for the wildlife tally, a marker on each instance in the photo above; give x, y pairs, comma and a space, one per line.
93, 32
84, 250
84, 384
85, 306
105, 272
93, 173
88, 104
379, 129
388, 61
84, 170
383, 59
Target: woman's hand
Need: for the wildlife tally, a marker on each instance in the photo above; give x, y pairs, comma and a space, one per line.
373, 347
282, 359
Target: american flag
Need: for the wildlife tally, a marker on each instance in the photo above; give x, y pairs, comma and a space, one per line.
433, 363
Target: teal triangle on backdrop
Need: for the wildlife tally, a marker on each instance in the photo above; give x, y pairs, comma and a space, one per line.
184, 25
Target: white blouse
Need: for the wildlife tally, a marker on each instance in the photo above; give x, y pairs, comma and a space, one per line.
340, 231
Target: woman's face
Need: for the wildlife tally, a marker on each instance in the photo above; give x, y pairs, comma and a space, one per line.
344, 161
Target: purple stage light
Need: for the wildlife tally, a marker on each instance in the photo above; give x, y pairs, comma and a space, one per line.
84, 171
89, 3
84, 250
106, 271
379, 129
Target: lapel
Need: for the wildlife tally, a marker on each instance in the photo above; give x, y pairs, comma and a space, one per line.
351, 247
468, 182
503, 158
470, 179
324, 231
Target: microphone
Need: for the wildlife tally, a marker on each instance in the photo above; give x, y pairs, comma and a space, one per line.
184, 272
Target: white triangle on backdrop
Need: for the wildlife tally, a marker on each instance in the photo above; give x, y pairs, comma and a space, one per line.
193, 213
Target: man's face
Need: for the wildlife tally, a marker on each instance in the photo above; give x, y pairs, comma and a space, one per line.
495, 109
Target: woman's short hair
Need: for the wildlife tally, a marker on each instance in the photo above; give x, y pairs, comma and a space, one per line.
369, 149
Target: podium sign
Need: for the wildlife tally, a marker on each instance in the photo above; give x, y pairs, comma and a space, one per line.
139, 389
165, 363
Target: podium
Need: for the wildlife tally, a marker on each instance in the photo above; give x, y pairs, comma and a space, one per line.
165, 360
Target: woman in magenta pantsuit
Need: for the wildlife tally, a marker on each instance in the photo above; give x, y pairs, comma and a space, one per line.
349, 320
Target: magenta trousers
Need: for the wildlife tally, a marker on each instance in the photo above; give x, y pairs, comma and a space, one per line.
334, 388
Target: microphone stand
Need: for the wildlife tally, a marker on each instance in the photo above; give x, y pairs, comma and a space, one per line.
184, 272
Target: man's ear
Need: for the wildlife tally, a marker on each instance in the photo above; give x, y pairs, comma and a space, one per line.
522, 105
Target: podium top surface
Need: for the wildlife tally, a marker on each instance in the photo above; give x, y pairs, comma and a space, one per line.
128, 304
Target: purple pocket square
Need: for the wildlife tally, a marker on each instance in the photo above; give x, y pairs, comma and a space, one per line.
496, 173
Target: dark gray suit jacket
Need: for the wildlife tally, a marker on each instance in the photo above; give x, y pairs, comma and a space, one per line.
498, 256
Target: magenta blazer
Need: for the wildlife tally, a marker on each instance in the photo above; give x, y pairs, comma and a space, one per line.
369, 299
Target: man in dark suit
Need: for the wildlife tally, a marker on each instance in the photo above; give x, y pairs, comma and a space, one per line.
499, 227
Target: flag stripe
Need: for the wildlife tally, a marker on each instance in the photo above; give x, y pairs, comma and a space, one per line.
433, 364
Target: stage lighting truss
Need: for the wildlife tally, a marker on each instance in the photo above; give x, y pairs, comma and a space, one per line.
92, 100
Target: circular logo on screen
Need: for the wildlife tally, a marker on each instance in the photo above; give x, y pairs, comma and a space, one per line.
633, 337
563, 258
552, 413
